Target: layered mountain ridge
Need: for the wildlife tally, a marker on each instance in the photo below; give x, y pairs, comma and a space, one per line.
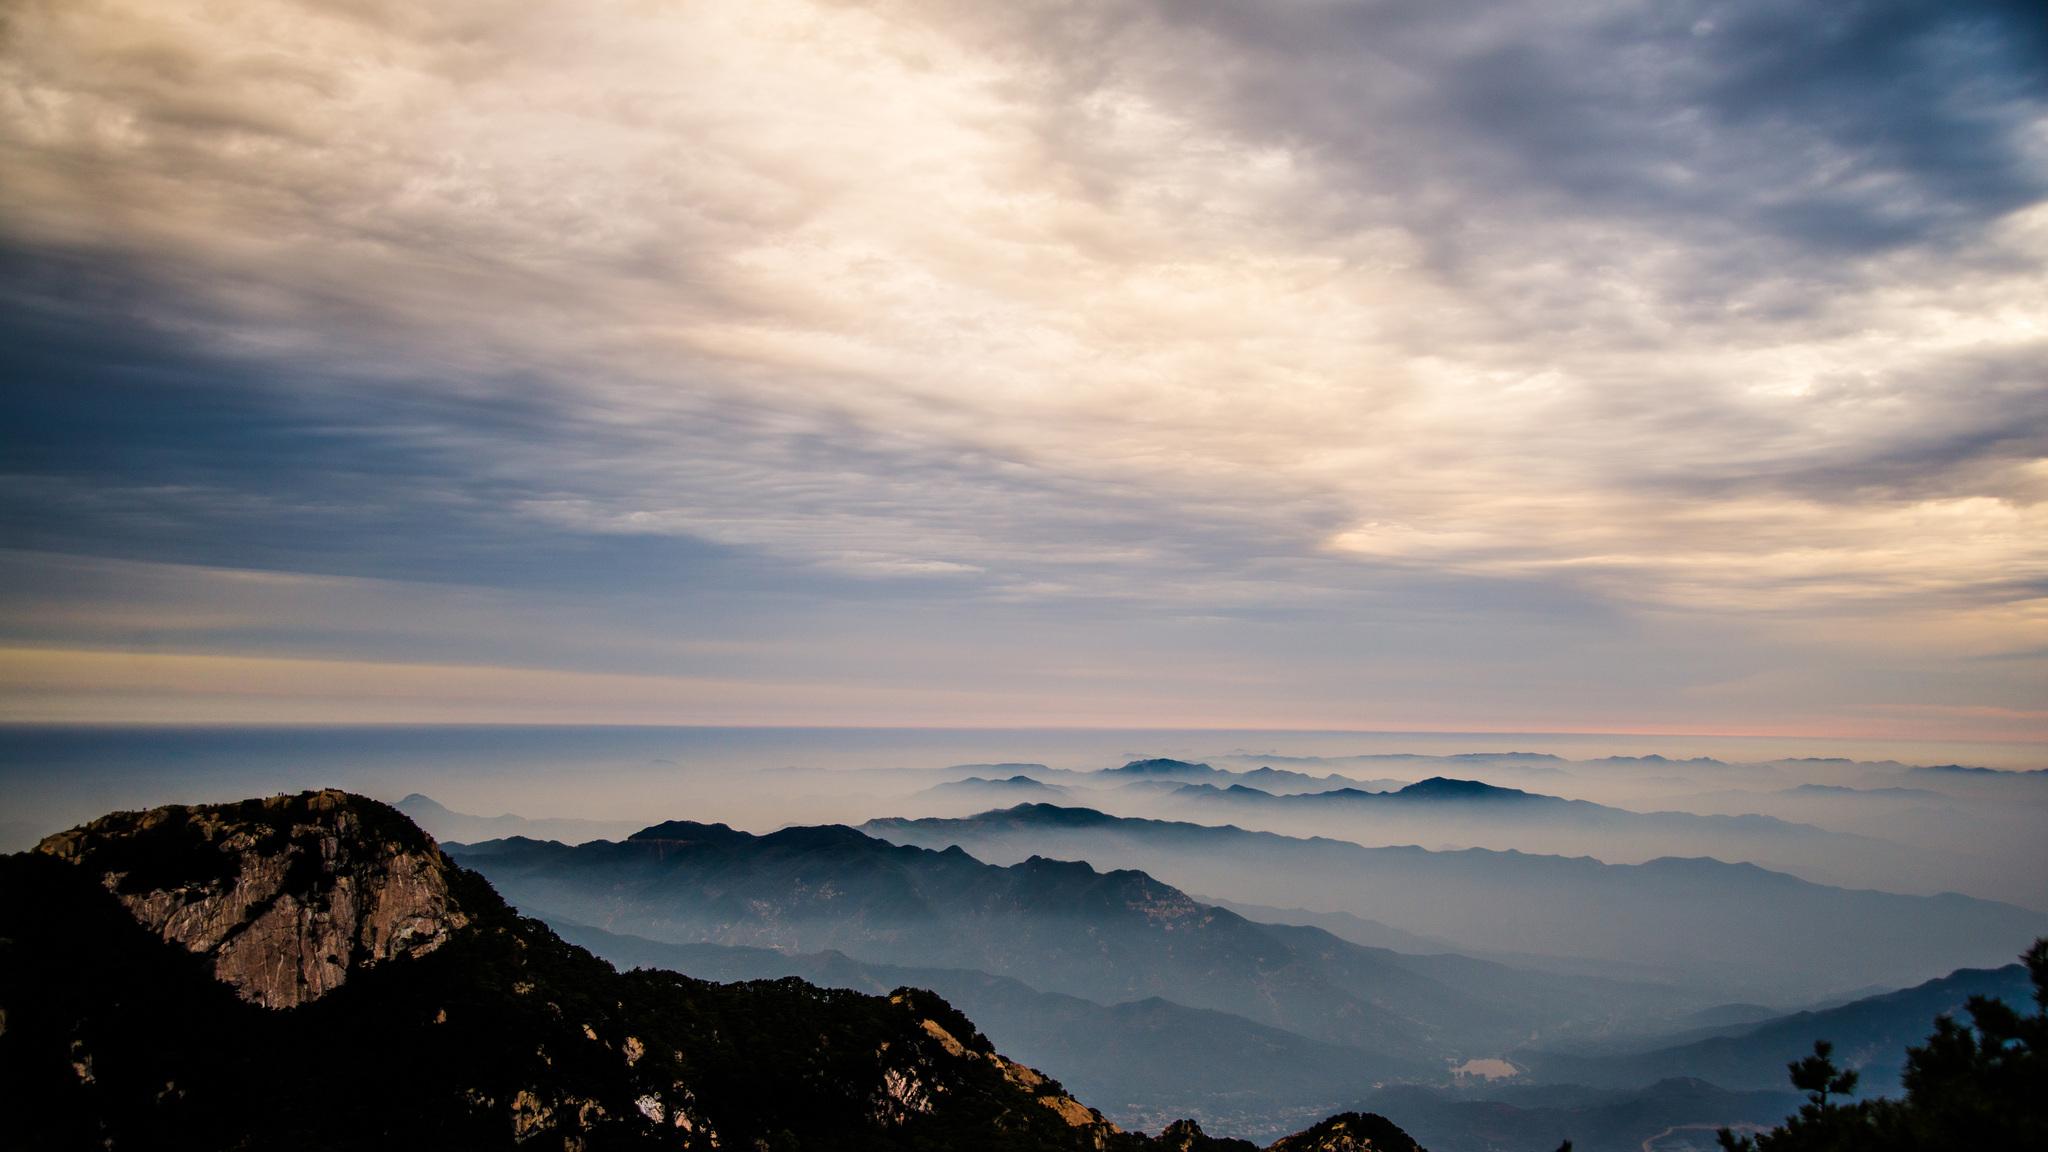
1735, 926
1061, 926
312, 971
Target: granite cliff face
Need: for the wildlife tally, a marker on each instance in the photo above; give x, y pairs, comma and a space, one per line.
310, 972
286, 896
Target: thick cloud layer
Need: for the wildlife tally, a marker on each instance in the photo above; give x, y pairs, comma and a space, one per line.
1314, 352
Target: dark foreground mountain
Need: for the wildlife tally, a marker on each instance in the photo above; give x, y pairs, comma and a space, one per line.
1060, 926
1738, 926
311, 972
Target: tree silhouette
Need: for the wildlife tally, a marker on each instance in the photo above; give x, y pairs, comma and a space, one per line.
1817, 1075
1983, 1085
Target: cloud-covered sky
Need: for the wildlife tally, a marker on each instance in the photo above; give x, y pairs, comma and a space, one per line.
1580, 366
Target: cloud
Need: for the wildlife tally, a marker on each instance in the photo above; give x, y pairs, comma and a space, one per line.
1236, 310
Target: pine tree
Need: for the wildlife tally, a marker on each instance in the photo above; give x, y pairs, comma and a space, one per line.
1983, 1085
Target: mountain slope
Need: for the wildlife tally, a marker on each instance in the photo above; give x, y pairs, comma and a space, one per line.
1735, 926
1143, 1062
129, 1017
1870, 1035
1060, 926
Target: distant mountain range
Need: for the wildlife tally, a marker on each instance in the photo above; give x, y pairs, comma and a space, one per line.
1976, 773
1736, 926
1797, 829
443, 824
1840, 790
1058, 926
1265, 778
1471, 813
984, 790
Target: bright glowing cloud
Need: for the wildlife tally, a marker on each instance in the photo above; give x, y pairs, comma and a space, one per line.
1684, 321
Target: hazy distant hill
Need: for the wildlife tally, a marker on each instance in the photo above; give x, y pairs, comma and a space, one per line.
1162, 766
1870, 1035
1142, 1062
1972, 772
1442, 810
443, 824
1736, 925
983, 790
1357, 929
1279, 781
1014, 768
1059, 926
1880, 793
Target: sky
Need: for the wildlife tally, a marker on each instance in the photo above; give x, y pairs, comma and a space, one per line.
1575, 366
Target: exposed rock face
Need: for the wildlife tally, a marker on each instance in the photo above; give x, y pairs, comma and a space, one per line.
1349, 1132
1089, 1124
285, 895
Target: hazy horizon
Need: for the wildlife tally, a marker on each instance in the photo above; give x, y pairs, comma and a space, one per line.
766, 778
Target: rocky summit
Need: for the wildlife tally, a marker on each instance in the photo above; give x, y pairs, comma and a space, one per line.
285, 896
312, 972
1350, 1132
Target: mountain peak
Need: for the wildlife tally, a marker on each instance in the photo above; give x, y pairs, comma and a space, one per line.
813, 836
1046, 814
1050, 867
1161, 766
1349, 1132
285, 896
1445, 788
1017, 783
688, 831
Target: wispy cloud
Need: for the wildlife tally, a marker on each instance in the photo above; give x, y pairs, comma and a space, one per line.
1711, 310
